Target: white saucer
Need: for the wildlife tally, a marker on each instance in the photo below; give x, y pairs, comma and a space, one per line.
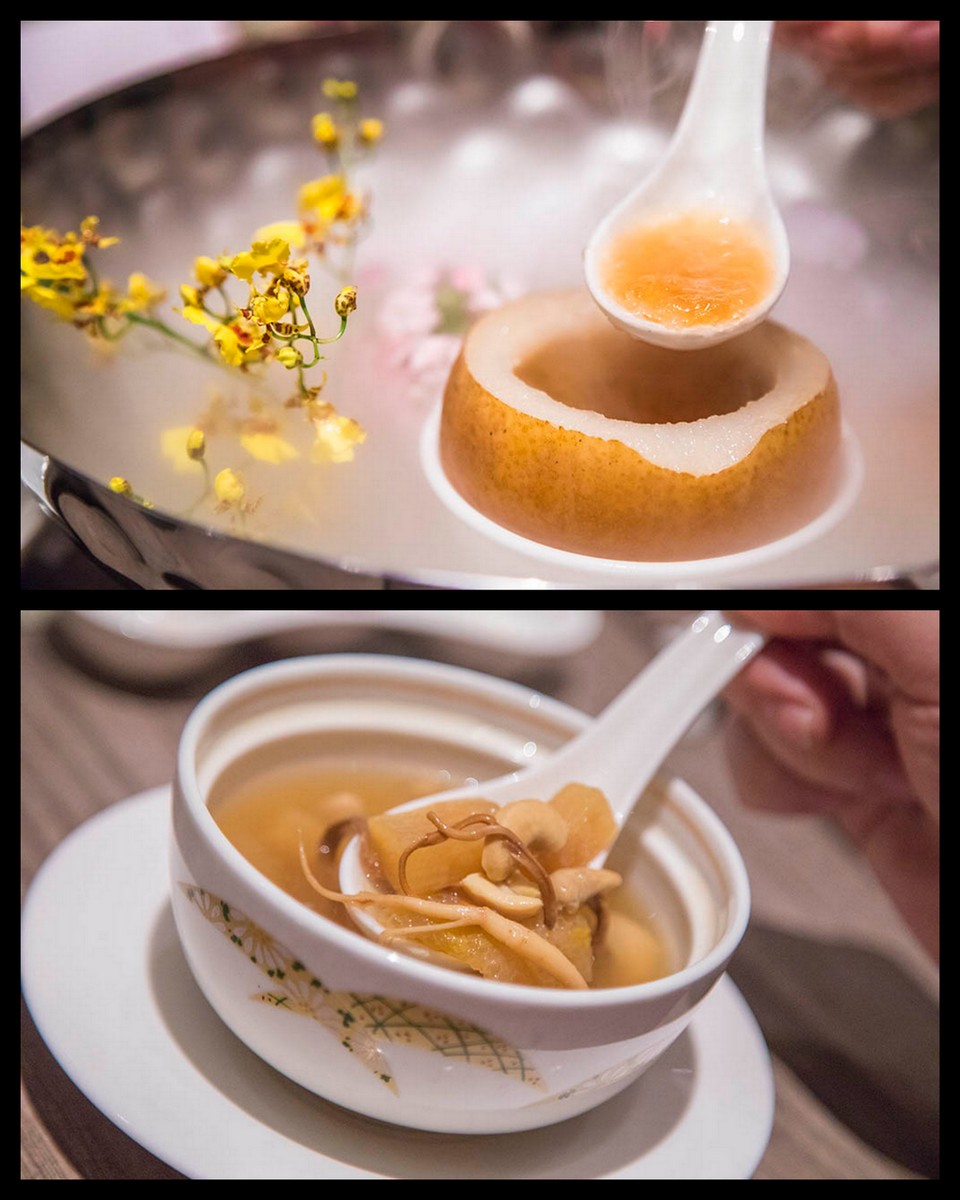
846, 488
112, 996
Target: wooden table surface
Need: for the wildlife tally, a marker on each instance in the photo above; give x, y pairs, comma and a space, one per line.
846, 1000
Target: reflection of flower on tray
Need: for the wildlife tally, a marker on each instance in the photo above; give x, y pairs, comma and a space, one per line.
422, 321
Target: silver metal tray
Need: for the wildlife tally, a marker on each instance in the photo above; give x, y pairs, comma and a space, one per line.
501, 152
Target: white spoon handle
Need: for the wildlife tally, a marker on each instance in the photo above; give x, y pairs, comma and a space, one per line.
627, 743
720, 134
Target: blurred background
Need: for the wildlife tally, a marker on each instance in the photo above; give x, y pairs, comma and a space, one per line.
846, 1000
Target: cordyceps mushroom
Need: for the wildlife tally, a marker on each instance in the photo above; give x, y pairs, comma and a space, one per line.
443, 916
483, 825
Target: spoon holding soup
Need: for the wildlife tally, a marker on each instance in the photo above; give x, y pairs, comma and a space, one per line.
698, 252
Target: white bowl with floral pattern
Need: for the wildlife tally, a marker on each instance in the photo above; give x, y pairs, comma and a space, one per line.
380, 1032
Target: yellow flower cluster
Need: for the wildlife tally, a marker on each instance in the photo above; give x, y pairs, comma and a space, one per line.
275, 314
56, 273
272, 323
242, 336
330, 207
326, 203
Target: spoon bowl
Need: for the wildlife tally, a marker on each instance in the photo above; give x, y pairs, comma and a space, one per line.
624, 747
715, 167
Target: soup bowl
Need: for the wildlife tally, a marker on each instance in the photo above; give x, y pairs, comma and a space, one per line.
378, 1031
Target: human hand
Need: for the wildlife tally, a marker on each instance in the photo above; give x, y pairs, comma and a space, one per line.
891, 68
840, 716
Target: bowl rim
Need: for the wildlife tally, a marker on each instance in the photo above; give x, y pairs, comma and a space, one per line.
424, 975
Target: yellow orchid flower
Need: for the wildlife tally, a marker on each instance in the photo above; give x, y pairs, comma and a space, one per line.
47, 260
47, 257
270, 306
323, 197
194, 313
324, 131
336, 437
53, 271
104, 303
268, 447
88, 232
55, 274
290, 232
142, 294
263, 257
229, 345
240, 342
339, 89
346, 301
175, 446
196, 445
229, 488
190, 296
351, 207
60, 300
35, 235
296, 277
370, 130
208, 271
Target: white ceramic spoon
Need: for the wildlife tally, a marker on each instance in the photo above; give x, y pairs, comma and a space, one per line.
623, 748
715, 162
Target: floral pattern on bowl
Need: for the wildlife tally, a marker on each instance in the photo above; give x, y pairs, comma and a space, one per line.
358, 1021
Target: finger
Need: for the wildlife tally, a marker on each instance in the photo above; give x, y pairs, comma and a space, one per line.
913, 43
762, 782
791, 693
889, 96
885, 44
902, 846
901, 59
809, 723
801, 623
904, 645
815, 676
916, 728
889, 43
787, 682
898, 839
799, 34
